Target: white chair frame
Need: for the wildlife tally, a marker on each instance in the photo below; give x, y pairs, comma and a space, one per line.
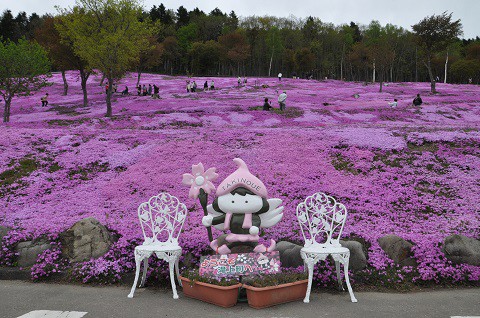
162, 219
321, 220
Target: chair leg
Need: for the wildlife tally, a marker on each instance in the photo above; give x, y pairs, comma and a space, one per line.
171, 265
339, 278
347, 279
145, 269
138, 261
177, 271
310, 278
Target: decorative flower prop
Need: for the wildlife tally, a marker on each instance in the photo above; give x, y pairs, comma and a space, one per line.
200, 179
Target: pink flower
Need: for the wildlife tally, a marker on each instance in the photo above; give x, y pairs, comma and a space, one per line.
200, 179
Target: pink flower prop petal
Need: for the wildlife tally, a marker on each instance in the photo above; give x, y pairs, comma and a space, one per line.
193, 193
187, 179
198, 169
209, 187
210, 174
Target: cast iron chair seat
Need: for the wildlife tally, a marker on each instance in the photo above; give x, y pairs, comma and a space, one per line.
321, 220
162, 219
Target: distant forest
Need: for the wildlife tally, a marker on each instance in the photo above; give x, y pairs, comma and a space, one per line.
219, 43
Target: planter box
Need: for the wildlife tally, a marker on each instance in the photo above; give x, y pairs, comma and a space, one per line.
262, 297
223, 296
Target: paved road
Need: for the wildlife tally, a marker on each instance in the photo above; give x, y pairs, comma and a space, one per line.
19, 298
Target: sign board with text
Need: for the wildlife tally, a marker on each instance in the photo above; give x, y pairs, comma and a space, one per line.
244, 264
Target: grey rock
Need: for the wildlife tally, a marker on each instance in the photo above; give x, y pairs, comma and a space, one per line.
28, 251
358, 259
462, 250
86, 239
289, 254
3, 231
398, 250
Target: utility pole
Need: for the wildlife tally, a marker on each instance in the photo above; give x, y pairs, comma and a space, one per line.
446, 64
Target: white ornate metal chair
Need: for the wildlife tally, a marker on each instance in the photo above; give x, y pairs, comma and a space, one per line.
321, 220
162, 219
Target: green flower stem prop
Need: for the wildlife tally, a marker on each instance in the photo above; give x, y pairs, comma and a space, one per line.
203, 197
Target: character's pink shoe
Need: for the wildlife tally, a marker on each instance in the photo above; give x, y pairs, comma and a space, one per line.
262, 249
222, 250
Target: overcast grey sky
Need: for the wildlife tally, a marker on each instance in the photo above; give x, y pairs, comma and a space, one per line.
400, 12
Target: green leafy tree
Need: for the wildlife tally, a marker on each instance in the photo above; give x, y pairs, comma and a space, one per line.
205, 56
236, 49
464, 70
62, 52
8, 26
183, 17
150, 56
434, 34
108, 35
379, 49
304, 60
23, 68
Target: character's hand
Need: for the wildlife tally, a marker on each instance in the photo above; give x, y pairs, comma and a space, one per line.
207, 220
254, 230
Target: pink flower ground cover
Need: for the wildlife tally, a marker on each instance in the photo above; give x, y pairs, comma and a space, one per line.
413, 172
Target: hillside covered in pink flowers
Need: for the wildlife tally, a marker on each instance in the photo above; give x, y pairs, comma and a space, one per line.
409, 171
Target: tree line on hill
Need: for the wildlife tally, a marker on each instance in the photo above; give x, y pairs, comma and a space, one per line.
116, 36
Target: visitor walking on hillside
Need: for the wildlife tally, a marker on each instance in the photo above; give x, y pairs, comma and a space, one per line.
417, 101
156, 91
188, 87
149, 89
139, 90
282, 98
125, 91
194, 86
394, 104
145, 92
44, 100
106, 89
267, 105
114, 86
279, 76
212, 85
239, 81
205, 86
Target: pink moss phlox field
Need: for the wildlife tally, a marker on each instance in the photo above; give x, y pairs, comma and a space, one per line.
412, 172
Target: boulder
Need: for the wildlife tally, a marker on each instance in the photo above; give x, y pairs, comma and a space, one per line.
289, 254
3, 231
28, 251
398, 250
358, 260
86, 239
462, 250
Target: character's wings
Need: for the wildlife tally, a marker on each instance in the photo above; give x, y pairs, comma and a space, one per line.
273, 215
214, 213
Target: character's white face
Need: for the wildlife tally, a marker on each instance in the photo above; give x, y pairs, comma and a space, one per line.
242, 204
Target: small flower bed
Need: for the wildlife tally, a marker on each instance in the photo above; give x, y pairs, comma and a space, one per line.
194, 276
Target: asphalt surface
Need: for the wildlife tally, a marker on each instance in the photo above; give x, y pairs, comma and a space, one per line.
18, 298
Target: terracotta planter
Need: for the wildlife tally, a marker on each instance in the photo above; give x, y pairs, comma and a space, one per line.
262, 297
223, 296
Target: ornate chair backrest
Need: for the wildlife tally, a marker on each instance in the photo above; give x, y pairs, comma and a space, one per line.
162, 219
321, 219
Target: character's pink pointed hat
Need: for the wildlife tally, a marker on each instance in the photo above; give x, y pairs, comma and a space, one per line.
242, 178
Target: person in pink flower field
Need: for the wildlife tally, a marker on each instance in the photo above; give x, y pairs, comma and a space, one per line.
394, 104
44, 100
